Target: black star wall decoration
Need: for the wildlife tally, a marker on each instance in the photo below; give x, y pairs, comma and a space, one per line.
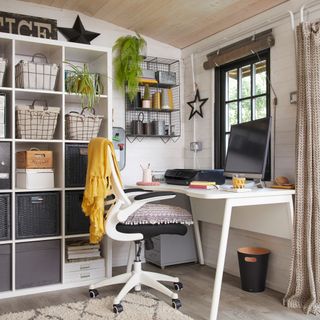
78, 33
193, 105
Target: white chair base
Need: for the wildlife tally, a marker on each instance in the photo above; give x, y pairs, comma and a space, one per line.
135, 279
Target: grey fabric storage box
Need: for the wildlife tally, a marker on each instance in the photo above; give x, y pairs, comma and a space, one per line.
5, 267
37, 214
5, 216
76, 160
38, 263
76, 221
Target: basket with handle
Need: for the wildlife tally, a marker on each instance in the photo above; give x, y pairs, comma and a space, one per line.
36, 75
36, 122
82, 126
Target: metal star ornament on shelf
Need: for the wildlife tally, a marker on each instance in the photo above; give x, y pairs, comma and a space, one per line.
193, 105
78, 33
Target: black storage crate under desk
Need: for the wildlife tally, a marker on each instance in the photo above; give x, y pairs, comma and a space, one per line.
5, 216
37, 214
76, 160
76, 221
38, 263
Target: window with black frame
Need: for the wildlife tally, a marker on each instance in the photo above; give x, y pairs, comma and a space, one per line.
242, 94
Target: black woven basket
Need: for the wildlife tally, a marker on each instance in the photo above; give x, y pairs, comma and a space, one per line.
76, 221
5, 213
37, 214
76, 160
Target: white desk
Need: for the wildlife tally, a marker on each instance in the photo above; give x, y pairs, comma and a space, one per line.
230, 200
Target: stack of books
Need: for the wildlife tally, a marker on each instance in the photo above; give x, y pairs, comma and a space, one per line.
203, 185
82, 250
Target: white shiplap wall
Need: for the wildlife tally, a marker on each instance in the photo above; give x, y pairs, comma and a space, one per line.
283, 80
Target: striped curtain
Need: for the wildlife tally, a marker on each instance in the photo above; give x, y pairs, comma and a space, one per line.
304, 284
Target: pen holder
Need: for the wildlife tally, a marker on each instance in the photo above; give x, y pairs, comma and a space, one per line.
146, 175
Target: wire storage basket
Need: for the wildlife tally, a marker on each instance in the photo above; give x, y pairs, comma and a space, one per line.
3, 64
36, 75
36, 122
82, 126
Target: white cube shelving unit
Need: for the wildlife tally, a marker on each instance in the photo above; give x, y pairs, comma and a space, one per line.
99, 59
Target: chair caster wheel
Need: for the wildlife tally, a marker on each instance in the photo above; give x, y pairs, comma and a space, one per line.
176, 304
117, 308
93, 293
178, 286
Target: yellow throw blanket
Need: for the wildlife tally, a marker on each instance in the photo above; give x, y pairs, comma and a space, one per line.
98, 185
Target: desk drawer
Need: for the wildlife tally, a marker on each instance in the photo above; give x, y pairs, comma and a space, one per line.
84, 265
84, 275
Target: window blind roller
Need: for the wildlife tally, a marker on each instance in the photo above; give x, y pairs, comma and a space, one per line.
241, 49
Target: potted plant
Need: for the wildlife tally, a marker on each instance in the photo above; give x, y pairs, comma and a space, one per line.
146, 102
127, 63
89, 85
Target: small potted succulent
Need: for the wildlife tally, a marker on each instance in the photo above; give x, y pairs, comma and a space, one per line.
127, 63
146, 101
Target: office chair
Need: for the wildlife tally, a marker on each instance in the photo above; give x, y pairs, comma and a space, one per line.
116, 229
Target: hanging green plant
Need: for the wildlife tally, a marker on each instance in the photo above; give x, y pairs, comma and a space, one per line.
127, 63
80, 81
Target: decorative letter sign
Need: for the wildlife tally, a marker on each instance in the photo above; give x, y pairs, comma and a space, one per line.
28, 25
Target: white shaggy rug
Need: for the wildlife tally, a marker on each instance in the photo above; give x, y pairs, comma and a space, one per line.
141, 306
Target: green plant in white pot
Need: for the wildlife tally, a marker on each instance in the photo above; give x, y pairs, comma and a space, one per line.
127, 63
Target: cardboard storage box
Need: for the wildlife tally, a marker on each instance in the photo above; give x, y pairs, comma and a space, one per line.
34, 159
35, 178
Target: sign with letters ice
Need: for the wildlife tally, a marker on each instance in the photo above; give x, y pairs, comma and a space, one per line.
28, 25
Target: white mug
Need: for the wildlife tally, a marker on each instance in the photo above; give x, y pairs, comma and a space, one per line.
147, 176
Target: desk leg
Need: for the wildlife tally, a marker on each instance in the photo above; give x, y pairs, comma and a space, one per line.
108, 256
290, 212
221, 259
198, 240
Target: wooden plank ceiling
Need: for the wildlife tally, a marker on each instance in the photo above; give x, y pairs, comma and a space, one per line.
179, 23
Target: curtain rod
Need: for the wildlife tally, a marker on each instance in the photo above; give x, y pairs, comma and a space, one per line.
206, 49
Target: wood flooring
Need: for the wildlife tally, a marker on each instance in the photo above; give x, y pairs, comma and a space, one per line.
235, 304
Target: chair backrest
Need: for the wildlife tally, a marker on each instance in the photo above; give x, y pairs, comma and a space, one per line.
122, 203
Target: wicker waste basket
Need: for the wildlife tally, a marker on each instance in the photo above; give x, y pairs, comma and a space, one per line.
36, 122
253, 264
36, 75
82, 126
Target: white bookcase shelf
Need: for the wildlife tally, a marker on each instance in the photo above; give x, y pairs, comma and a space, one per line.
99, 60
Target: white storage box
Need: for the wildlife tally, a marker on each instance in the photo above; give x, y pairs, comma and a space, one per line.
35, 178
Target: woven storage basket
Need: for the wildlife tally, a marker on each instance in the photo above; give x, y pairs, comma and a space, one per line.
36, 122
37, 214
5, 213
82, 126
32, 75
3, 64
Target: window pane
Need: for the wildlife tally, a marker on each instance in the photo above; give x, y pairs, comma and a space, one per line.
245, 110
231, 115
260, 107
245, 75
260, 86
232, 85
227, 141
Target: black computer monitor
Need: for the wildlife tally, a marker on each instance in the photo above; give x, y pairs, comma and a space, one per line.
248, 148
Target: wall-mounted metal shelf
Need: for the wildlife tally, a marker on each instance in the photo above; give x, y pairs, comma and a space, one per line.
155, 122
